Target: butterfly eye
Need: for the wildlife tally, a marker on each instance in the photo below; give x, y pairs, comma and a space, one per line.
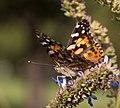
77, 26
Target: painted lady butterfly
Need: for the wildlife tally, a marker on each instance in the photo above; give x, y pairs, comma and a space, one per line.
81, 53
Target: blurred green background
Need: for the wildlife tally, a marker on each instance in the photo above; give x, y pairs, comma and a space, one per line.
24, 85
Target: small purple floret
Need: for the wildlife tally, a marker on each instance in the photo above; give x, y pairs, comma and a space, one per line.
80, 73
90, 101
94, 97
70, 82
57, 81
115, 83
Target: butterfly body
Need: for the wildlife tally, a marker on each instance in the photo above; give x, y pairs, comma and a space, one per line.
81, 52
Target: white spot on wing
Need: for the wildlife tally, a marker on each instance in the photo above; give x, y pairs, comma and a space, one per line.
51, 52
47, 40
83, 31
43, 43
38, 36
77, 26
75, 35
81, 25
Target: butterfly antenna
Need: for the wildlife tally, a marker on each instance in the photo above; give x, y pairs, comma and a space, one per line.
44, 64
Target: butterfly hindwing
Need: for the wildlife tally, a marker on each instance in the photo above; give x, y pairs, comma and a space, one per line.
94, 54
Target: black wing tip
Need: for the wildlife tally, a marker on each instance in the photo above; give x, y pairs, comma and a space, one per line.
39, 34
84, 22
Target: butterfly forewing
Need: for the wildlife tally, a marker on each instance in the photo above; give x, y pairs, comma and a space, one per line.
82, 44
54, 48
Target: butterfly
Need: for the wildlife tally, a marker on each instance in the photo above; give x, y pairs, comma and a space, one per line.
81, 53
